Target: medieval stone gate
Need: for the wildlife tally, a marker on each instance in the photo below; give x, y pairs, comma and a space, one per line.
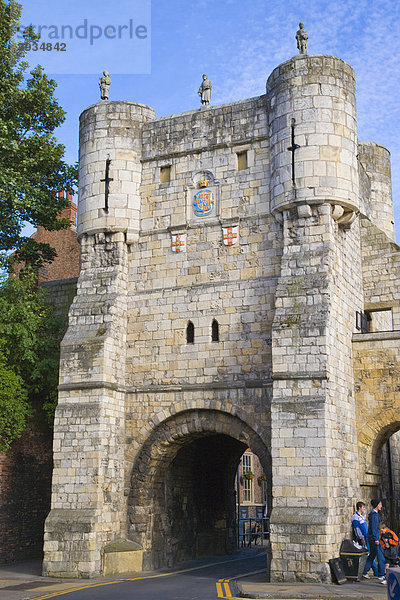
224, 277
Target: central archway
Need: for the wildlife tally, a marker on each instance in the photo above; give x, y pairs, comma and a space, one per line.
181, 503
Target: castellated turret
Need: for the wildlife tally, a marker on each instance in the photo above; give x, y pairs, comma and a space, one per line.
376, 161
314, 95
109, 157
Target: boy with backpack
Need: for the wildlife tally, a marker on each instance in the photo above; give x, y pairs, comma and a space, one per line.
390, 545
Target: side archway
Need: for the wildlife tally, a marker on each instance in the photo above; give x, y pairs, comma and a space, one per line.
379, 454
181, 502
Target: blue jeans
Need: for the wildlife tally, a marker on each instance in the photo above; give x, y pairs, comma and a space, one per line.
375, 551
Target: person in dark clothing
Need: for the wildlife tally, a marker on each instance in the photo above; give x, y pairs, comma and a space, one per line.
389, 542
373, 540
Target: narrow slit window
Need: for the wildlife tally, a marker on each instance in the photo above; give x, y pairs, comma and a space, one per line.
215, 331
242, 160
165, 174
190, 333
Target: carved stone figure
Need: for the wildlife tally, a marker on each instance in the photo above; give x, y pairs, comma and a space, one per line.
104, 85
302, 37
205, 91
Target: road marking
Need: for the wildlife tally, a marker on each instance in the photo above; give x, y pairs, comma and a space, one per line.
225, 583
227, 590
219, 590
85, 587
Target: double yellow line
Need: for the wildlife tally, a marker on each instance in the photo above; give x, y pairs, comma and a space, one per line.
223, 587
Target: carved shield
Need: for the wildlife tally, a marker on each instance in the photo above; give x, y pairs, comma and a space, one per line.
230, 235
203, 203
178, 242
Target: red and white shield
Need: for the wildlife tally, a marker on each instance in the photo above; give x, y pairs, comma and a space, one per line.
230, 235
178, 242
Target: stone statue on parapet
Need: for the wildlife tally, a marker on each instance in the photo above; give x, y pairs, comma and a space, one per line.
104, 85
205, 91
302, 37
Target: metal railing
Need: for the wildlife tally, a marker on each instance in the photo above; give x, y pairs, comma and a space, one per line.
253, 531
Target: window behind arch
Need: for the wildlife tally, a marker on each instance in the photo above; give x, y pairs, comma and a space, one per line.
190, 333
215, 331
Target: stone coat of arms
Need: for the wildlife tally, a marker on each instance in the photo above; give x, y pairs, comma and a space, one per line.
203, 202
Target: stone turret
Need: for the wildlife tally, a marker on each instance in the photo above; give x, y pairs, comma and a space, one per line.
318, 92
94, 345
376, 161
111, 131
312, 114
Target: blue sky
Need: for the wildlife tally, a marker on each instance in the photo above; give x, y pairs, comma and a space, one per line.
236, 42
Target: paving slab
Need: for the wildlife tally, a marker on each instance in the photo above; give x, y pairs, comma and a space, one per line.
359, 590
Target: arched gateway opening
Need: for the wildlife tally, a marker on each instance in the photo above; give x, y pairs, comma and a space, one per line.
386, 465
182, 501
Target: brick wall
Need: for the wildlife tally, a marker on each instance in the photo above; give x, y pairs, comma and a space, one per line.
66, 265
25, 483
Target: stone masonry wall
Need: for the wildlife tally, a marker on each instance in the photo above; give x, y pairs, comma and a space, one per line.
377, 376
381, 271
87, 495
314, 455
235, 285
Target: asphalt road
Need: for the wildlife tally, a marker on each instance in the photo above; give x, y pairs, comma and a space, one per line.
196, 580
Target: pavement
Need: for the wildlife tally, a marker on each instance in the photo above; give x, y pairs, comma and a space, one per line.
23, 581
255, 587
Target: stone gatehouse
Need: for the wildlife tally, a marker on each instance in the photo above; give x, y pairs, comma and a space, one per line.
233, 258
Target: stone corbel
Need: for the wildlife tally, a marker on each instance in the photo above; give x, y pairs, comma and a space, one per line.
344, 218
337, 211
347, 219
304, 211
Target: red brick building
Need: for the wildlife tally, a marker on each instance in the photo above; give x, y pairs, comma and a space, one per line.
66, 265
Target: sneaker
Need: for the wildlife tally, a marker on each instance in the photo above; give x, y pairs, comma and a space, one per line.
366, 576
383, 581
382, 578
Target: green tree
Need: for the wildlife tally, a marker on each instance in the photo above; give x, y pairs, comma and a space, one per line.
14, 405
32, 169
30, 336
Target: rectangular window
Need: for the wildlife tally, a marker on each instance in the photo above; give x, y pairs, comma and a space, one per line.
379, 320
165, 174
248, 488
242, 160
